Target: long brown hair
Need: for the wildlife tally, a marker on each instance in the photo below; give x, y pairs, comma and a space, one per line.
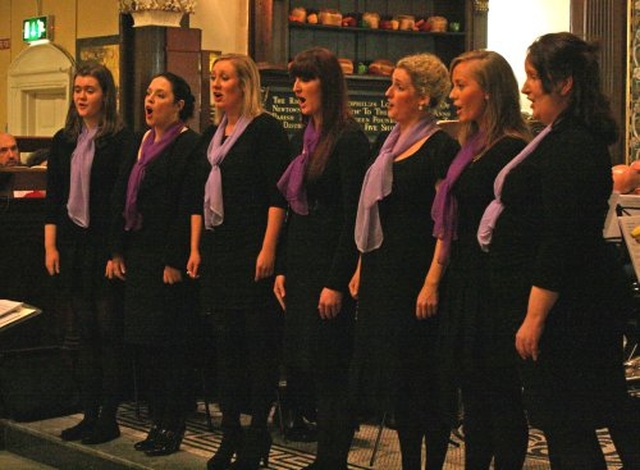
322, 64
110, 121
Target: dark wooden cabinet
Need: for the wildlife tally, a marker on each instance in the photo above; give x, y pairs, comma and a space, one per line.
276, 40
363, 44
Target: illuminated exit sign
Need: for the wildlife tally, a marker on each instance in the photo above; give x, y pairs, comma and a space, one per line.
37, 29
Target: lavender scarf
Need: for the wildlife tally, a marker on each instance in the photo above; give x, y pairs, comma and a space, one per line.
81, 163
213, 202
444, 210
149, 150
291, 183
379, 179
495, 208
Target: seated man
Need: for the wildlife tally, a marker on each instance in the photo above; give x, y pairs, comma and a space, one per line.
9, 152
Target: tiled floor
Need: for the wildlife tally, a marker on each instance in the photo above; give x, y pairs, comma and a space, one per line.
291, 455
200, 442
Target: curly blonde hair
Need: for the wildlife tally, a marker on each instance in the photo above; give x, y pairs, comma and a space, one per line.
429, 76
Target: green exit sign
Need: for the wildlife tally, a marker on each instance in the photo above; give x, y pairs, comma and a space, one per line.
37, 29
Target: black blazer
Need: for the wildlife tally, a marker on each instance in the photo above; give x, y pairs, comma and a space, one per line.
113, 156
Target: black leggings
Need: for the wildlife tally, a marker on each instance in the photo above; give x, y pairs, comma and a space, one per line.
167, 374
418, 417
93, 306
247, 351
574, 445
495, 425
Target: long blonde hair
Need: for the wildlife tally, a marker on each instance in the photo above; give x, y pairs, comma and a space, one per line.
502, 113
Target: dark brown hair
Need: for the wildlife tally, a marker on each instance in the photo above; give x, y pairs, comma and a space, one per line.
558, 56
322, 64
110, 121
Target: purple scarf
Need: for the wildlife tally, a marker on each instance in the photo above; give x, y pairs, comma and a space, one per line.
291, 183
495, 208
81, 163
149, 150
379, 179
444, 211
213, 202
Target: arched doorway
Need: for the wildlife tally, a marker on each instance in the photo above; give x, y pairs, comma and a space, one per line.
39, 89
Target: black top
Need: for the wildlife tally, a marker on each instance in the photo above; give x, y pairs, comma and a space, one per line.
156, 312
550, 235
390, 340
465, 327
319, 251
250, 172
112, 158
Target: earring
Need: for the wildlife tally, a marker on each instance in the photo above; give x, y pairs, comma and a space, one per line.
421, 107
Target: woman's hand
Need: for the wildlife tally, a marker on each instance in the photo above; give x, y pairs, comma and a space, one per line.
52, 261
171, 275
279, 290
330, 303
193, 264
528, 339
427, 302
354, 283
541, 301
265, 264
116, 268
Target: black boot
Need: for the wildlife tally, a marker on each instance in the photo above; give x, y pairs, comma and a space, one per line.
167, 442
80, 430
150, 441
105, 430
255, 448
231, 443
298, 430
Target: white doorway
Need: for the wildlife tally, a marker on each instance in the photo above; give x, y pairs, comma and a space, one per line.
39, 90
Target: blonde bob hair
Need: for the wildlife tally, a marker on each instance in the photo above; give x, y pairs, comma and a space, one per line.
249, 79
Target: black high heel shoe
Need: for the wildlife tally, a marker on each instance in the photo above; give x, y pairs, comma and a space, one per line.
149, 441
231, 443
255, 448
167, 442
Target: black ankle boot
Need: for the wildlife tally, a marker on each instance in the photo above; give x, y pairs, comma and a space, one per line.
79, 431
231, 443
150, 440
300, 431
105, 430
255, 448
166, 442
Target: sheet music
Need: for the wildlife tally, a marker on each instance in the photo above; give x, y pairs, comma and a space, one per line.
13, 312
8, 306
627, 224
